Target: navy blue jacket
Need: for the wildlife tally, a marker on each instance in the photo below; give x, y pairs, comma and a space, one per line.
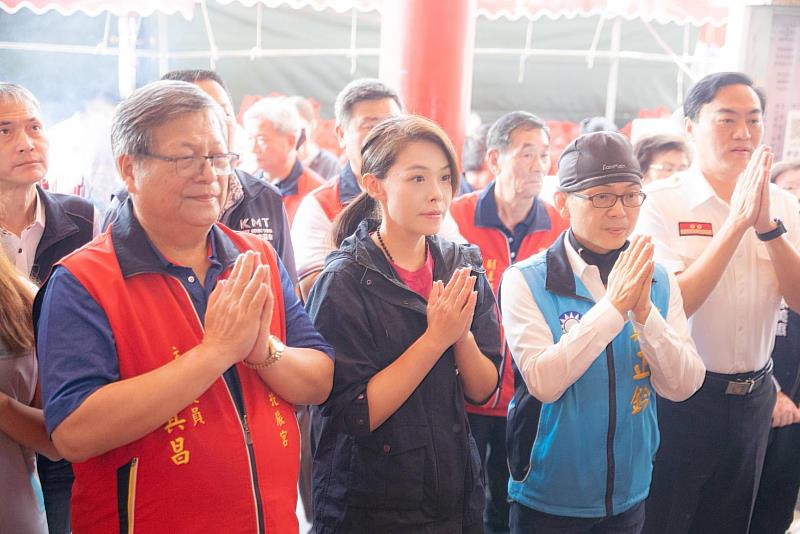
420, 468
259, 211
68, 225
786, 354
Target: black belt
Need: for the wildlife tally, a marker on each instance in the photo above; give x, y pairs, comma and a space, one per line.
740, 384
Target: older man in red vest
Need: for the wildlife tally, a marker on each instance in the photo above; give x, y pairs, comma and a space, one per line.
508, 222
172, 349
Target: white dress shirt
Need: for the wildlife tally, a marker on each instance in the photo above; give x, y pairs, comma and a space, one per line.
549, 368
22, 250
734, 329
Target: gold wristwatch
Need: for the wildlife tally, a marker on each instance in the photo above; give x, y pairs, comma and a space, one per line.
276, 348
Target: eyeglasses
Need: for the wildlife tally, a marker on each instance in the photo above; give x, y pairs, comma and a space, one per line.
608, 200
669, 169
189, 166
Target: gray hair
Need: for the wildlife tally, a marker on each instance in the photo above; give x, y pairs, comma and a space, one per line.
17, 93
499, 136
359, 91
152, 106
280, 113
782, 167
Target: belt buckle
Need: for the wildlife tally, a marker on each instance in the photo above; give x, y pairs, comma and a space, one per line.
743, 387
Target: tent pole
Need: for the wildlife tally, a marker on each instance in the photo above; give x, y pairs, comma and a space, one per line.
353, 36
212, 45
524, 56
128, 27
163, 45
613, 71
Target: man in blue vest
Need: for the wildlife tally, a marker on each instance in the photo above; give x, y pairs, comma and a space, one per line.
596, 328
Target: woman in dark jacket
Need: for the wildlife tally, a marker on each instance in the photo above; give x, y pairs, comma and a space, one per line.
394, 452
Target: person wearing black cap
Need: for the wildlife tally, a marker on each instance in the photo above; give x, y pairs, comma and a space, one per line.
732, 239
595, 328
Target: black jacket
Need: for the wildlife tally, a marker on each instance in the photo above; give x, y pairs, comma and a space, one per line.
259, 211
786, 354
421, 466
68, 225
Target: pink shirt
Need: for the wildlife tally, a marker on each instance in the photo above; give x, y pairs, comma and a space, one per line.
419, 281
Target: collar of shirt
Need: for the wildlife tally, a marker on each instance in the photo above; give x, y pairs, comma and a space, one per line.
348, 185
589, 274
698, 190
486, 216
289, 185
137, 254
39, 217
22, 250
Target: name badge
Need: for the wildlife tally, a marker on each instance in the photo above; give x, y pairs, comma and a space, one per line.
695, 228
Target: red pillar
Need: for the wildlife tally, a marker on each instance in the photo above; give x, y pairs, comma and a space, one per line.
426, 54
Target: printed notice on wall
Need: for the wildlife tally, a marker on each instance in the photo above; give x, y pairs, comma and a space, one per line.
783, 83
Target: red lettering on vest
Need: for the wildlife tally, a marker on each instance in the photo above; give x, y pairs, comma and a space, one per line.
496, 259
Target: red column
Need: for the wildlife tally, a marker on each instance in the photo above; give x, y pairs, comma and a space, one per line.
426, 54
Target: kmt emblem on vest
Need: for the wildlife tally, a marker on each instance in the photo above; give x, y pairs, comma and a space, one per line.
568, 320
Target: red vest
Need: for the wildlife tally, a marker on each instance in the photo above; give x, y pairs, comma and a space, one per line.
306, 183
193, 473
328, 197
496, 259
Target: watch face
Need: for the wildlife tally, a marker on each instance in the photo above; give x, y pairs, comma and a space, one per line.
277, 344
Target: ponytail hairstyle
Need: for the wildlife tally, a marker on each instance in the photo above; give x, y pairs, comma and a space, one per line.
381, 148
16, 306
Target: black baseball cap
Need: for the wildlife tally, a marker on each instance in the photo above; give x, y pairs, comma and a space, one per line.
598, 158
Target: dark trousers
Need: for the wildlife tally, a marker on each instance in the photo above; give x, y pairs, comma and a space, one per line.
525, 520
708, 466
780, 481
56, 478
490, 436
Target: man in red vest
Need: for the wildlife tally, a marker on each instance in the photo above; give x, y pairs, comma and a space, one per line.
508, 222
172, 349
274, 128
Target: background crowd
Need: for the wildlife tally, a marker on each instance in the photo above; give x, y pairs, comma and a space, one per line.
249, 317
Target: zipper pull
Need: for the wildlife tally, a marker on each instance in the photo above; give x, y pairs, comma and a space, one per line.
247, 435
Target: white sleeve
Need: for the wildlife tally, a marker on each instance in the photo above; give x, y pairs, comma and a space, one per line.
449, 230
97, 223
654, 223
311, 236
676, 369
549, 368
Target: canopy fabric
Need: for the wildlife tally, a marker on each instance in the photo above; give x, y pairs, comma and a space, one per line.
696, 12
96, 7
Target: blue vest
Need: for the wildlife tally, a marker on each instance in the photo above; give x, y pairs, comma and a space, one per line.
590, 453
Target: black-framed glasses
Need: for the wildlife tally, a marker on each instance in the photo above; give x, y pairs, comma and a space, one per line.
634, 199
188, 166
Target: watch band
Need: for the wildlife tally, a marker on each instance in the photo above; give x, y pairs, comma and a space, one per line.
276, 348
776, 232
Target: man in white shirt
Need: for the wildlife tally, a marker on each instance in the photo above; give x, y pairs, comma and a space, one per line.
719, 226
362, 104
594, 326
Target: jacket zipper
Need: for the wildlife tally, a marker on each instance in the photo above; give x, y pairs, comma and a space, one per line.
612, 424
248, 439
